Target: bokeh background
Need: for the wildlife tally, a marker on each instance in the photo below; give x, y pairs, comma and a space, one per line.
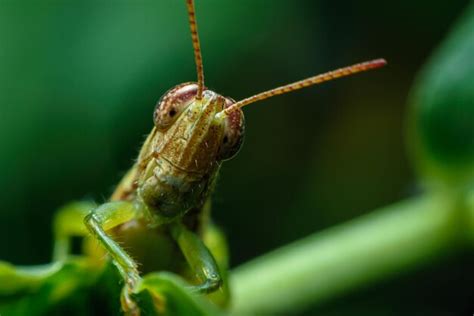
79, 81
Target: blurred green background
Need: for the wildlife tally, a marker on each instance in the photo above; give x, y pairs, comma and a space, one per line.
79, 81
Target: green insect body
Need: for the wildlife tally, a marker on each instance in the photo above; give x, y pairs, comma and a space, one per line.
160, 209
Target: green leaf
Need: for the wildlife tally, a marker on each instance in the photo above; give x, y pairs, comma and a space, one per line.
58, 287
441, 126
35, 290
167, 294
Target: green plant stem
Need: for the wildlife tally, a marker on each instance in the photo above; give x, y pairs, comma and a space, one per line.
350, 255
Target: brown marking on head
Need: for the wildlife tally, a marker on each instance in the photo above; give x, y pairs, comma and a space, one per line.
203, 143
172, 103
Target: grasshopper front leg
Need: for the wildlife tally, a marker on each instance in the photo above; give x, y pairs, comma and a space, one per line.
198, 257
108, 216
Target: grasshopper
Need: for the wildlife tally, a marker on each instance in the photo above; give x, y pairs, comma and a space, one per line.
162, 204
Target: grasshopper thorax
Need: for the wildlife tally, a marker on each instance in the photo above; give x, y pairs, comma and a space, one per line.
182, 155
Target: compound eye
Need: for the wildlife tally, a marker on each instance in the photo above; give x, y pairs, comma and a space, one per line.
173, 103
234, 130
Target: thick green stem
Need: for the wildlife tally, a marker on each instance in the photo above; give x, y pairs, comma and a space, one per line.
348, 256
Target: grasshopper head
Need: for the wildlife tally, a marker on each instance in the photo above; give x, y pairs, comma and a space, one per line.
182, 155
195, 137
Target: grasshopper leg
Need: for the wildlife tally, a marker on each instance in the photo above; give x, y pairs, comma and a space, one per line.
199, 258
68, 222
103, 218
216, 242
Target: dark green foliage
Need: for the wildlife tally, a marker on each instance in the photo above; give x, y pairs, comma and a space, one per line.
442, 124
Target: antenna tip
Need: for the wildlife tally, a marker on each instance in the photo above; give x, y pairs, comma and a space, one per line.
376, 63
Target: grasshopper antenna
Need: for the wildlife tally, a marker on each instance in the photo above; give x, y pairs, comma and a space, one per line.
196, 47
334, 74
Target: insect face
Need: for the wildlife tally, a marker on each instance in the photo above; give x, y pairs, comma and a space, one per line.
206, 133
191, 137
